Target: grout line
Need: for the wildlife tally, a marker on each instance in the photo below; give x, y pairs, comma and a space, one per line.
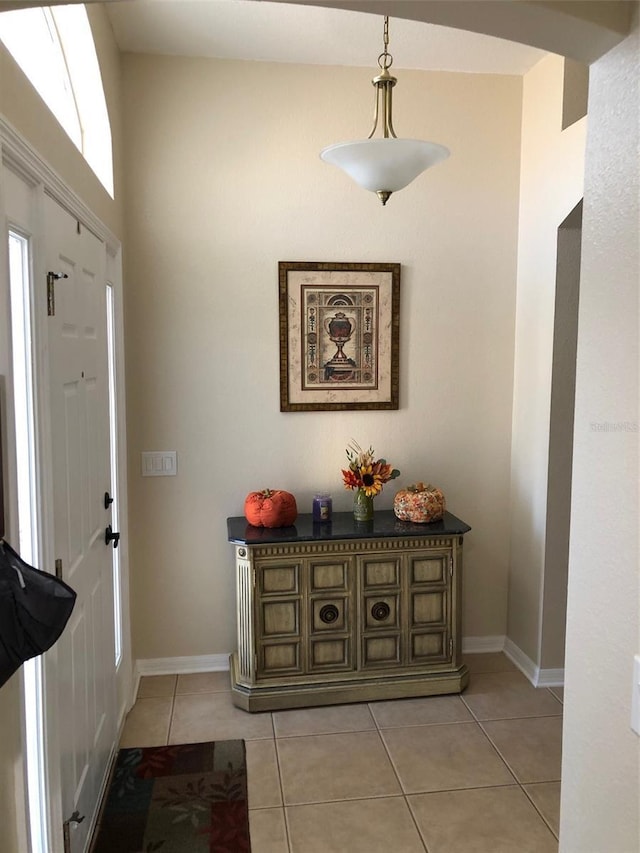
521, 785
557, 698
416, 824
206, 693
469, 709
323, 734
391, 761
434, 724
526, 793
498, 753
173, 706
287, 830
462, 790
267, 808
373, 717
399, 796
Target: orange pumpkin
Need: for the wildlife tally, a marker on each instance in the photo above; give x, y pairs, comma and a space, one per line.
270, 508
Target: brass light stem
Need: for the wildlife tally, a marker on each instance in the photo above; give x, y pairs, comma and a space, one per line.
384, 84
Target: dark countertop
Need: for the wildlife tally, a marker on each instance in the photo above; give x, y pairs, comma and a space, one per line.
342, 526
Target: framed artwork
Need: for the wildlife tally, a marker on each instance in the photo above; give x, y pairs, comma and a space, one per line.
339, 336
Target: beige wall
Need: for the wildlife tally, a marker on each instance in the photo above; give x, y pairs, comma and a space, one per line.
551, 185
601, 757
25, 111
224, 180
558, 520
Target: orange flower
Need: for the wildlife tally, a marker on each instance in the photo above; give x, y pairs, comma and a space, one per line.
350, 479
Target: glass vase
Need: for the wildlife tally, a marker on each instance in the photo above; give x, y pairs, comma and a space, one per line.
362, 506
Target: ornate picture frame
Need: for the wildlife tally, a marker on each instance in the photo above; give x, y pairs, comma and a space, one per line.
339, 336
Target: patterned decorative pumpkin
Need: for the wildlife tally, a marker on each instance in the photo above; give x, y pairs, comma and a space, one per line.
419, 503
270, 508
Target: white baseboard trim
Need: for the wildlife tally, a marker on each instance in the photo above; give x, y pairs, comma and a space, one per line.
135, 684
538, 677
480, 645
182, 665
470, 645
551, 678
522, 661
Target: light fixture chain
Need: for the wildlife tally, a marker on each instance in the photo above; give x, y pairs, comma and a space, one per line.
385, 60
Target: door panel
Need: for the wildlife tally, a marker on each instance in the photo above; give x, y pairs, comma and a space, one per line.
79, 403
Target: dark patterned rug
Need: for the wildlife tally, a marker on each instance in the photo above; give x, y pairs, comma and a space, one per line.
173, 799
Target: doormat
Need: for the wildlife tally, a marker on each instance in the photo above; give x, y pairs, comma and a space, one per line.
174, 799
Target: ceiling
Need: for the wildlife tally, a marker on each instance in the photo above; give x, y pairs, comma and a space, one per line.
281, 32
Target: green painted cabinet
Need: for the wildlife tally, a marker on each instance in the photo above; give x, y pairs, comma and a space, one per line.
347, 613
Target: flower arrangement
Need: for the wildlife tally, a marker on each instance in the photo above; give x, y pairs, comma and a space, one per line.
365, 472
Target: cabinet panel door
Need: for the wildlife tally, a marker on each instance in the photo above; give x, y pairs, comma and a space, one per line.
430, 647
330, 607
330, 653
279, 614
429, 567
280, 618
279, 578
380, 571
429, 608
382, 637
278, 659
380, 651
328, 575
429, 605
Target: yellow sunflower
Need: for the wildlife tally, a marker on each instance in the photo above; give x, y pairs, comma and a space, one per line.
372, 482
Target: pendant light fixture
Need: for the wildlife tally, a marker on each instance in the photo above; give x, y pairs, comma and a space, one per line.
387, 164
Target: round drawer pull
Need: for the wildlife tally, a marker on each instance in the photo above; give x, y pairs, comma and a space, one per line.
380, 611
329, 613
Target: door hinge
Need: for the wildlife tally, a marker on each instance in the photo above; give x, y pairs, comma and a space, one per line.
52, 277
450, 647
58, 565
76, 817
451, 566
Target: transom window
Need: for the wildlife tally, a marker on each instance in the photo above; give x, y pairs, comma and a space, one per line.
55, 49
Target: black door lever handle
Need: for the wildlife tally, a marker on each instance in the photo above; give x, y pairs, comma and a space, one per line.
111, 536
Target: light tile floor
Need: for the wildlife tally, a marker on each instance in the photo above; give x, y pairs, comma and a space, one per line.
476, 773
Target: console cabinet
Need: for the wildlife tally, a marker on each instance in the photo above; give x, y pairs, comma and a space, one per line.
347, 612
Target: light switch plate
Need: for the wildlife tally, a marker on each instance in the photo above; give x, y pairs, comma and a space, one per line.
159, 463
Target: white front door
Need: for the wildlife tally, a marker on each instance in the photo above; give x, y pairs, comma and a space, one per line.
79, 410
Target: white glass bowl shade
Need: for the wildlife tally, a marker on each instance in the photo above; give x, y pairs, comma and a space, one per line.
384, 165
